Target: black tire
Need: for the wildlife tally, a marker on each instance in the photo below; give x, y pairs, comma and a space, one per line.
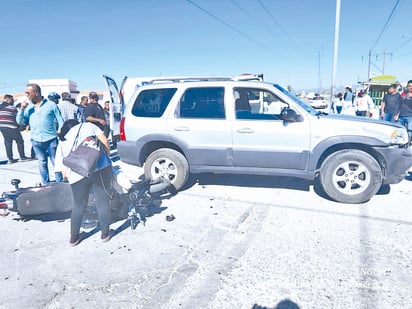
169, 164
350, 176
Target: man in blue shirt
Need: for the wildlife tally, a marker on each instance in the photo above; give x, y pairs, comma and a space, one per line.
43, 114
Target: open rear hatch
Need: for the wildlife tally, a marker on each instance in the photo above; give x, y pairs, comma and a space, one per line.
117, 105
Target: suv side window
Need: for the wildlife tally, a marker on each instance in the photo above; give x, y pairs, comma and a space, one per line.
254, 103
153, 102
205, 102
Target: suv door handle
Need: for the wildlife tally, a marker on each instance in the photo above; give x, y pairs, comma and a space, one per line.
245, 130
182, 128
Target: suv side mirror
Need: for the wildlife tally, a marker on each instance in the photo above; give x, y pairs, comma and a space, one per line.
289, 114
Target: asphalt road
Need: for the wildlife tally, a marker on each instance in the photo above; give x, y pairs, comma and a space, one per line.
236, 242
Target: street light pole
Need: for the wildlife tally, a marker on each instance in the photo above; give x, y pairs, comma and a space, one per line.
335, 50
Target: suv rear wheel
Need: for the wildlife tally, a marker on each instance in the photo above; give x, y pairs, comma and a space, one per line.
169, 164
350, 176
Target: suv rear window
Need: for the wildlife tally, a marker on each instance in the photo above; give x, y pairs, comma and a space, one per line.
153, 102
204, 102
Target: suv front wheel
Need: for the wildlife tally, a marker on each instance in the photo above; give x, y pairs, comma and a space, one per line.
350, 176
167, 163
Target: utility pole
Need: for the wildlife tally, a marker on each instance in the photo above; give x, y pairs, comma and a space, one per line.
319, 77
370, 61
369, 66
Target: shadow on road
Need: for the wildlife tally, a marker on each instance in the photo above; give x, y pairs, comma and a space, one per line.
46, 217
254, 181
260, 181
284, 304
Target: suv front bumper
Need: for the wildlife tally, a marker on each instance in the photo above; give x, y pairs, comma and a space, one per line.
398, 162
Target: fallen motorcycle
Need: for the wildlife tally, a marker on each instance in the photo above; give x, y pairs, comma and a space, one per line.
141, 200
144, 198
55, 197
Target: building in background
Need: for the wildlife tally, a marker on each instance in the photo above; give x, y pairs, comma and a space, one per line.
57, 85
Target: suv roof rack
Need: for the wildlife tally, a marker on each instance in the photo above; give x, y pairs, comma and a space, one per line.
249, 77
183, 79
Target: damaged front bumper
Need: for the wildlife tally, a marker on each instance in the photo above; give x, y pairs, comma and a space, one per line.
398, 162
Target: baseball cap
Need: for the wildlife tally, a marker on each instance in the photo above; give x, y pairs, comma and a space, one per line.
53, 95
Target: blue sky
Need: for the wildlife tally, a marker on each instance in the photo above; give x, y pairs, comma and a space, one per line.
290, 42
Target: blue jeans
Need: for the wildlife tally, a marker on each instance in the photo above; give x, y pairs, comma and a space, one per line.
361, 113
389, 117
407, 123
43, 151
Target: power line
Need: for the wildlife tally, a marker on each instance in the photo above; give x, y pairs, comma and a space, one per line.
233, 28
253, 18
402, 45
274, 19
294, 45
377, 40
386, 24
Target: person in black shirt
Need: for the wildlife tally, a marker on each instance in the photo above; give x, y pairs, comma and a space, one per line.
390, 104
405, 111
10, 129
95, 113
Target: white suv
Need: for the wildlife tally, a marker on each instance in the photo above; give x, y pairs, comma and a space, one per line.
223, 125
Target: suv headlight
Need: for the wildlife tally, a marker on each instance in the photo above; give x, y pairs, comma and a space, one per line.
399, 136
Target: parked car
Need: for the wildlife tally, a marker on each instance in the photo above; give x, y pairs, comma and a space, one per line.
177, 129
318, 102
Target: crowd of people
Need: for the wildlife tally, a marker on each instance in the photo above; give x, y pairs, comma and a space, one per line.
45, 118
53, 124
395, 106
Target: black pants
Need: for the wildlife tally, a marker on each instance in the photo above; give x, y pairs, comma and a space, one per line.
101, 183
106, 131
9, 135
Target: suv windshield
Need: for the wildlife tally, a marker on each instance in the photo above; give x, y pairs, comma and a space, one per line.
302, 104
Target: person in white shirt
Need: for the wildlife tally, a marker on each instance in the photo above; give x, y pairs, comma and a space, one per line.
338, 103
363, 104
100, 182
67, 108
